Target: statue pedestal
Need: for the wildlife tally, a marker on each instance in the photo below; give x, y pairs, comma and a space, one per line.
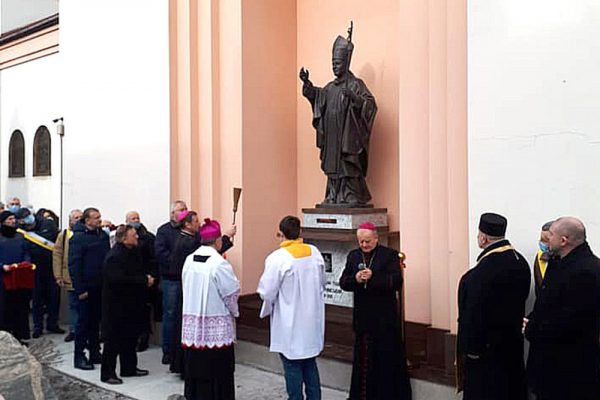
333, 231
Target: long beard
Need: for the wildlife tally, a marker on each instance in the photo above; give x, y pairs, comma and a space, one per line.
8, 231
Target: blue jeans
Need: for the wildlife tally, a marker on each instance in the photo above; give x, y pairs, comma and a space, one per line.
296, 373
73, 312
171, 298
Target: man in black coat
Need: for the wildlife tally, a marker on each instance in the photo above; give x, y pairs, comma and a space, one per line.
123, 300
146, 242
491, 306
564, 327
372, 273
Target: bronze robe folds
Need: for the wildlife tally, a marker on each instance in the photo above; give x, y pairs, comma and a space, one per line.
343, 131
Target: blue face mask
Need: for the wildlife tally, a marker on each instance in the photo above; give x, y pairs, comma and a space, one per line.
135, 224
13, 209
29, 220
543, 247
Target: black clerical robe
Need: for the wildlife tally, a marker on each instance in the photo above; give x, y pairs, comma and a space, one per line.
379, 370
491, 307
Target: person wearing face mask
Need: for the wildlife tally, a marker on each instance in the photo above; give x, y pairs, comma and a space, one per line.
14, 304
146, 247
564, 326
372, 273
13, 205
491, 306
41, 232
87, 249
109, 228
542, 257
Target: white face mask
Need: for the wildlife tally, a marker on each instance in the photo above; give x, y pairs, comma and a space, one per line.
106, 230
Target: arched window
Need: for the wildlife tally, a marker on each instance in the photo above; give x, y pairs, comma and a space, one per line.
16, 155
42, 146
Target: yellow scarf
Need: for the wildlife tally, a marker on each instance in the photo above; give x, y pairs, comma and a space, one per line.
296, 248
37, 239
543, 264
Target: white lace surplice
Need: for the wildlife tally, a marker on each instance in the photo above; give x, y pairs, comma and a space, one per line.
210, 300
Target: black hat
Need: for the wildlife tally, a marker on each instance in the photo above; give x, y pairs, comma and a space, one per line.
22, 213
4, 216
493, 224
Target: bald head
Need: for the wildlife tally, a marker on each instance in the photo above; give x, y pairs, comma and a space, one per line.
566, 233
132, 216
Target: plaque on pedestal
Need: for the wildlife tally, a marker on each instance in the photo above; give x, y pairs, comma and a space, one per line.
333, 231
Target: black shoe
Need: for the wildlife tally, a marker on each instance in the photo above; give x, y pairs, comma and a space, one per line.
84, 364
142, 344
166, 360
55, 329
138, 372
70, 337
36, 334
113, 381
96, 358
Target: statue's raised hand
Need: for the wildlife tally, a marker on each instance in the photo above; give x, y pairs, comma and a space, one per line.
304, 74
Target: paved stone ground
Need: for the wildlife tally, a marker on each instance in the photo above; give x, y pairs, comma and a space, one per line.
68, 388
72, 384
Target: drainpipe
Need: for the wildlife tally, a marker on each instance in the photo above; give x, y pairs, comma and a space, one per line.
60, 130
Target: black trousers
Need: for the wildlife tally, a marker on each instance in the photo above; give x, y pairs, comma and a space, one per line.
16, 313
46, 299
124, 347
87, 330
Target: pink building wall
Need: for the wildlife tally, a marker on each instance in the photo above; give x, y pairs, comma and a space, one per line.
239, 119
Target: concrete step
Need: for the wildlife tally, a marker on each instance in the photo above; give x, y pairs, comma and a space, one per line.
334, 374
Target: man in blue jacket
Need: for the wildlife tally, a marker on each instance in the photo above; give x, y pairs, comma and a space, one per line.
87, 249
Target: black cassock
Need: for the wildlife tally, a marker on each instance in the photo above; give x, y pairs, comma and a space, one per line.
379, 370
491, 307
563, 329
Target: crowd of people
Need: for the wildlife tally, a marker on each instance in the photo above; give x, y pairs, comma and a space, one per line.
120, 278
563, 329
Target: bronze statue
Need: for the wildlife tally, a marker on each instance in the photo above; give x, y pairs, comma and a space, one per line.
343, 115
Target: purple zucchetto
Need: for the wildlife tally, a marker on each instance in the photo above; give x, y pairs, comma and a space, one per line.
210, 230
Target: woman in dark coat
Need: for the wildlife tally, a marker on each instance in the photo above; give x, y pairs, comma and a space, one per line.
14, 304
123, 295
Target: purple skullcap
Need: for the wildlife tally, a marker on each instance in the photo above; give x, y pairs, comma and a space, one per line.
368, 225
210, 230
